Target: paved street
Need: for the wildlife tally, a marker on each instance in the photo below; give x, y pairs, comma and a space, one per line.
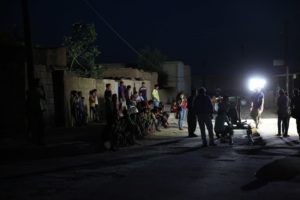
167, 165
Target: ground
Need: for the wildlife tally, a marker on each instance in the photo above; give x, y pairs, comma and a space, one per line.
167, 165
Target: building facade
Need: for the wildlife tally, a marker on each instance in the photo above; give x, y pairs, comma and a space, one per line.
179, 80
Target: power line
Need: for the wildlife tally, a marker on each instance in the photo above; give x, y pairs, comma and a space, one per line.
111, 27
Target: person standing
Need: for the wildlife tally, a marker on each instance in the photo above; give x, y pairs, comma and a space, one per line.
204, 110
283, 113
81, 110
109, 111
96, 105
92, 101
121, 94
155, 96
222, 130
127, 95
191, 115
257, 106
108, 105
35, 110
143, 90
182, 107
295, 109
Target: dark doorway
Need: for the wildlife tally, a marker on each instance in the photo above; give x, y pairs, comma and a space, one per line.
58, 90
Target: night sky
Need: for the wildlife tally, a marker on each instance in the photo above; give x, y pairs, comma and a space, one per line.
211, 36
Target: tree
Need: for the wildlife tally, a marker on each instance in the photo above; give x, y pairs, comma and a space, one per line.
152, 60
82, 51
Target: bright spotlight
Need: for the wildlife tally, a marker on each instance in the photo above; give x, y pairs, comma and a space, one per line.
256, 83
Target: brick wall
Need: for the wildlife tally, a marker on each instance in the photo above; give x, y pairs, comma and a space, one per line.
44, 73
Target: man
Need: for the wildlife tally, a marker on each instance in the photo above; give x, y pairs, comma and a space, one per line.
222, 130
257, 106
108, 104
139, 98
143, 90
109, 111
127, 95
204, 110
92, 103
295, 109
155, 96
283, 113
191, 116
121, 94
35, 110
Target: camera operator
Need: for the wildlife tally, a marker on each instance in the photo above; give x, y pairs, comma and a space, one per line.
225, 131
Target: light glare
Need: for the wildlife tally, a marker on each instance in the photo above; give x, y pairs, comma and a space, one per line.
256, 83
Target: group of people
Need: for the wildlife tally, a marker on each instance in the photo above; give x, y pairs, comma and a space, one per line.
127, 97
79, 110
78, 113
140, 114
288, 108
200, 107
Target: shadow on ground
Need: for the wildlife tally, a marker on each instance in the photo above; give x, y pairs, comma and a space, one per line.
285, 169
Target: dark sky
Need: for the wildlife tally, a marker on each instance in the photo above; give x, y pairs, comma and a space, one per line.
211, 36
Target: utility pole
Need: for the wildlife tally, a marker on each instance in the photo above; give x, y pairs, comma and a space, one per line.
28, 42
285, 34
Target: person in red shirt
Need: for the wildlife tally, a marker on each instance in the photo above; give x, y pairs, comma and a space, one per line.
182, 108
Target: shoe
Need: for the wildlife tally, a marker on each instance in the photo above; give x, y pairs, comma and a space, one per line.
286, 135
278, 135
204, 145
212, 144
193, 135
181, 129
158, 130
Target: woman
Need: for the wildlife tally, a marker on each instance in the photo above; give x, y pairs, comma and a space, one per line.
182, 107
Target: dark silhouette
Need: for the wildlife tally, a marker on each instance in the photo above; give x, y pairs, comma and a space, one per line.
283, 113
191, 116
143, 90
35, 109
295, 109
222, 130
204, 110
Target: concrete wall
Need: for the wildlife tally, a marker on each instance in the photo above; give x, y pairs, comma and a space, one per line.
50, 57
72, 82
168, 95
179, 80
44, 73
116, 71
188, 80
84, 85
171, 69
